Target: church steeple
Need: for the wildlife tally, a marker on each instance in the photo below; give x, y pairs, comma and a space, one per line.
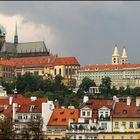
16, 36
124, 58
115, 56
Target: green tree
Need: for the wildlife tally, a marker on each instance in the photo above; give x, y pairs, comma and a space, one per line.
86, 84
135, 92
105, 86
121, 91
28, 82
114, 91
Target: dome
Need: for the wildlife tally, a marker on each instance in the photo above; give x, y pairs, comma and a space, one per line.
2, 31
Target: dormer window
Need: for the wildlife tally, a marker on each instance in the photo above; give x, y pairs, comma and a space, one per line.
72, 112
62, 112
64, 119
55, 119
124, 112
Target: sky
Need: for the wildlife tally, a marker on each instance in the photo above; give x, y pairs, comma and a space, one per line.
87, 30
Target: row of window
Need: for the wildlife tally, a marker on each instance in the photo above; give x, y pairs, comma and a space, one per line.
131, 124
121, 138
20, 117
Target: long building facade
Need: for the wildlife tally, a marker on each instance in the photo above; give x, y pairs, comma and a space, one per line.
120, 71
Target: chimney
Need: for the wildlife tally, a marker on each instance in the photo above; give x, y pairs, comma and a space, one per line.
10, 100
85, 99
137, 101
128, 100
116, 99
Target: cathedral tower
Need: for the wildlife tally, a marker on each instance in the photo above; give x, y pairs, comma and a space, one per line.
124, 58
16, 37
115, 56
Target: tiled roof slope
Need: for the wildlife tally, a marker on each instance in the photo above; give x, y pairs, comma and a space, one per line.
109, 66
42, 61
60, 117
122, 110
66, 61
96, 104
39, 61
7, 63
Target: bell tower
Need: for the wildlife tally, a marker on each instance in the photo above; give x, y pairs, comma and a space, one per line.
115, 56
124, 58
16, 37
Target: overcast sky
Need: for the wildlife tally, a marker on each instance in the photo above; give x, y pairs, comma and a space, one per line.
86, 30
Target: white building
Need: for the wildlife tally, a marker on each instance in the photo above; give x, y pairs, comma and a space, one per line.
120, 71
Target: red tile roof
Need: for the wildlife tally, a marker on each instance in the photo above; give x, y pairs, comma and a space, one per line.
7, 63
122, 110
96, 104
109, 66
4, 101
66, 61
42, 61
60, 117
39, 61
8, 112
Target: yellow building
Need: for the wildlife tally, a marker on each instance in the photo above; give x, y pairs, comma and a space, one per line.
119, 136
47, 66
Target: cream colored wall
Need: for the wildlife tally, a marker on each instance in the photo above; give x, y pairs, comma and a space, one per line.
62, 67
31, 70
127, 120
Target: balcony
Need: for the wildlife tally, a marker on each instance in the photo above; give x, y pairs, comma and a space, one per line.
84, 131
102, 118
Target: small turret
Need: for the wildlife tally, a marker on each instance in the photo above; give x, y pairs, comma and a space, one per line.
124, 58
115, 56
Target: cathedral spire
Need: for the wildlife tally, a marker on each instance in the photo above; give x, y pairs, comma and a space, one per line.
116, 53
16, 36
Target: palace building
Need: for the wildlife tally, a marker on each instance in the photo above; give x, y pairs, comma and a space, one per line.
121, 72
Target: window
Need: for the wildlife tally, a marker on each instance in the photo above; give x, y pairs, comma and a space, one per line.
54, 71
131, 137
113, 138
122, 137
138, 124
116, 124
19, 117
124, 111
36, 73
83, 113
60, 71
106, 114
80, 137
104, 125
131, 124
88, 113
103, 137
124, 124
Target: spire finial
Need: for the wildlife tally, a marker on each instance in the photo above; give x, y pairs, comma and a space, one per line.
16, 35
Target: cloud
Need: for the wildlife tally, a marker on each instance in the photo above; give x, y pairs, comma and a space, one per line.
28, 31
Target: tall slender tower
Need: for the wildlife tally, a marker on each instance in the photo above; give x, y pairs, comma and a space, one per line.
124, 58
115, 56
16, 37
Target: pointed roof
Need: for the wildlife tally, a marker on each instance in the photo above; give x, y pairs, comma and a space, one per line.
116, 53
16, 34
124, 54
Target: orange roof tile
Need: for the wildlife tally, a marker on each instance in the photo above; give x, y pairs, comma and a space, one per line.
4, 101
7, 63
39, 61
66, 61
122, 110
60, 117
109, 66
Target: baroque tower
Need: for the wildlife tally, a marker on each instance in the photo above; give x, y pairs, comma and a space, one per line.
115, 56
124, 58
